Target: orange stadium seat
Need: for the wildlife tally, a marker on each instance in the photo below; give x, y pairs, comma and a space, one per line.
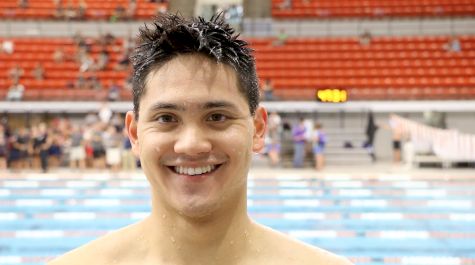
96, 9
398, 64
300, 9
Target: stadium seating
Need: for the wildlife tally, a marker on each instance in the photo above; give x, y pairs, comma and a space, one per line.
96, 9
304, 9
390, 67
30, 51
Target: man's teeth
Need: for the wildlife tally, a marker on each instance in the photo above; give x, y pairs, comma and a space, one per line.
194, 170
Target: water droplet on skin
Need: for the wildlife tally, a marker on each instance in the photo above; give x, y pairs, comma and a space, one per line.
231, 242
164, 216
173, 240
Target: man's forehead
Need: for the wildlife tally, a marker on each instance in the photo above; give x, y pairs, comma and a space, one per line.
192, 67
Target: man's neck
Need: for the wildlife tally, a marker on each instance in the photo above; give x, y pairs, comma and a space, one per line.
176, 239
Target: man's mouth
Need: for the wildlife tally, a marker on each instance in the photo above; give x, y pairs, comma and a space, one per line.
194, 171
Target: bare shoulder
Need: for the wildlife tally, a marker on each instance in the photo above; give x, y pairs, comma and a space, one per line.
86, 254
286, 250
103, 250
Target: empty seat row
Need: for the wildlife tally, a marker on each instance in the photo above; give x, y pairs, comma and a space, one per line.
364, 8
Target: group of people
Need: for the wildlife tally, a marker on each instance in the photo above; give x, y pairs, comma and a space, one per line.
71, 11
302, 134
99, 142
88, 65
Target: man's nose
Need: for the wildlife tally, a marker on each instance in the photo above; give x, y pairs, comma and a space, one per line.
192, 141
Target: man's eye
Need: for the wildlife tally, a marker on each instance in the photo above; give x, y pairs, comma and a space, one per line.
217, 117
166, 119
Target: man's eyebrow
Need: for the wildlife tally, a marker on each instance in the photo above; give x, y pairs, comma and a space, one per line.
220, 104
162, 105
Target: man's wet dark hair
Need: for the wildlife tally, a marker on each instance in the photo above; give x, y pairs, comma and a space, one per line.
172, 35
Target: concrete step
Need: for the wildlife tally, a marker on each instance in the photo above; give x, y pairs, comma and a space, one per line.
348, 160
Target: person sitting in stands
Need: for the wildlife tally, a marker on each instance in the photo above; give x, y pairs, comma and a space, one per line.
15, 92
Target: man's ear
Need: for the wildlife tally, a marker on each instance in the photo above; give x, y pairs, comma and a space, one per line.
260, 125
131, 126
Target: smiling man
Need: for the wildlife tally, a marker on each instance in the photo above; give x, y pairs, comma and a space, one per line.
195, 124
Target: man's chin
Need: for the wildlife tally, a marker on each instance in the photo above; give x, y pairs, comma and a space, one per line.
197, 210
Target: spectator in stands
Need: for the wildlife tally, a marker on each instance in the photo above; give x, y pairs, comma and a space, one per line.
82, 9
38, 72
397, 138
87, 63
3, 147
95, 84
113, 92
59, 12
77, 151
273, 138
55, 151
102, 60
81, 42
81, 82
268, 91
15, 92
91, 118
19, 149
123, 62
131, 8
105, 113
8, 47
15, 73
118, 14
281, 38
453, 45
44, 143
371, 129
298, 136
23, 4
34, 147
97, 144
58, 55
70, 13
112, 144
286, 4
105, 40
319, 140
365, 38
